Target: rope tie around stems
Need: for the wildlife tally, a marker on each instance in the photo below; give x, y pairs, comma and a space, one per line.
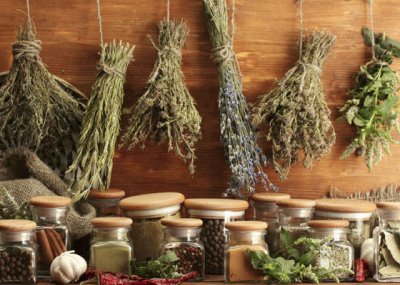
111, 70
166, 49
26, 49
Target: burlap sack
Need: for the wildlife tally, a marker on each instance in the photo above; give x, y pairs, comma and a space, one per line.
25, 176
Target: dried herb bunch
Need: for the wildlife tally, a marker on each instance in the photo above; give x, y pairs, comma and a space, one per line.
244, 156
101, 123
296, 112
166, 112
10, 209
373, 105
37, 109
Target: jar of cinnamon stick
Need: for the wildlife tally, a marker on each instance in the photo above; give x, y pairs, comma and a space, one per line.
49, 213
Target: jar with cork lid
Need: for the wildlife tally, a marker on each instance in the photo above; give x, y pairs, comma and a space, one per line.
215, 213
49, 213
106, 202
146, 212
242, 237
17, 252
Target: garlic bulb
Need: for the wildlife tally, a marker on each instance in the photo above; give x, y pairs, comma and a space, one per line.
67, 267
368, 252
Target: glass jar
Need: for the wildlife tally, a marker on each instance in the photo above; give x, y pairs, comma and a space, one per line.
110, 247
49, 213
146, 211
106, 201
182, 236
215, 213
357, 212
338, 253
244, 236
387, 243
17, 252
265, 209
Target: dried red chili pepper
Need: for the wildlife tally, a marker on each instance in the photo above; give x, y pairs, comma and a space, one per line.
361, 269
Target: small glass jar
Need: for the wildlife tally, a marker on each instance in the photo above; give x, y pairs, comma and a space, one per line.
358, 213
338, 253
111, 246
215, 213
49, 213
17, 252
106, 201
265, 209
182, 236
244, 236
387, 243
146, 211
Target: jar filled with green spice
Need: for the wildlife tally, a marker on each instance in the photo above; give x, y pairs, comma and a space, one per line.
111, 246
146, 212
106, 202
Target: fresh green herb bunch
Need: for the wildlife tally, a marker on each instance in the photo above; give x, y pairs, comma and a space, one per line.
244, 156
9, 208
296, 112
166, 266
167, 112
101, 123
373, 107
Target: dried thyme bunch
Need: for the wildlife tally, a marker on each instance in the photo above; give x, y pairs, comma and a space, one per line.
10, 209
296, 112
167, 112
244, 156
101, 123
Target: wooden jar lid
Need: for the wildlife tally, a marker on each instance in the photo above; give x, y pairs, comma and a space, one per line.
111, 222
269, 197
217, 204
106, 194
296, 203
17, 225
345, 206
151, 201
388, 205
246, 226
182, 223
328, 224
50, 201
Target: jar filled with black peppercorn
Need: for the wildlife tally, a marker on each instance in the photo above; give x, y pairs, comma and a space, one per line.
215, 213
17, 252
182, 236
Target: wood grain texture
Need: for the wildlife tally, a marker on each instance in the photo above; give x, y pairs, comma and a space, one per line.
265, 42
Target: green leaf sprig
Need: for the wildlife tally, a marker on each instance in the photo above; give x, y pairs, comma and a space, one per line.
166, 266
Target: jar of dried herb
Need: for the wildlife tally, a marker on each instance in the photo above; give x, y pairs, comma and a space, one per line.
358, 213
244, 236
49, 213
17, 252
146, 211
387, 243
215, 213
182, 236
111, 246
265, 209
335, 253
106, 202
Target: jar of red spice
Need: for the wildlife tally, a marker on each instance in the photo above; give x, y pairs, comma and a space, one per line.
106, 201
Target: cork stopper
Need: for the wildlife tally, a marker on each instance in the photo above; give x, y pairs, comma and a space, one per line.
106, 194
328, 224
388, 205
17, 225
182, 223
50, 201
217, 204
151, 201
345, 206
246, 226
111, 222
269, 197
296, 203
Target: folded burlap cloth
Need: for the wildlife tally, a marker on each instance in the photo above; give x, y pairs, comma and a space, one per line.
24, 176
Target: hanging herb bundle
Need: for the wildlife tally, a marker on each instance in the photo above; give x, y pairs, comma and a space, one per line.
244, 156
167, 112
295, 111
373, 107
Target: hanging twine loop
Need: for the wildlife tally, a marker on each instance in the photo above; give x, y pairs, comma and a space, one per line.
26, 49
371, 21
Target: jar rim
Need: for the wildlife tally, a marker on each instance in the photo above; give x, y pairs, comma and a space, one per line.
344, 215
214, 214
153, 213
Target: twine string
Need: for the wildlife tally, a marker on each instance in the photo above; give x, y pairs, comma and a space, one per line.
26, 49
28, 11
111, 70
301, 27
168, 9
100, 22
371, 20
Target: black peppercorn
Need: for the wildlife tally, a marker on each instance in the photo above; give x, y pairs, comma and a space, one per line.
16, 265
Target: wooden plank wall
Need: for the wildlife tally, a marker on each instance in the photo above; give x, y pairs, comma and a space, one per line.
265, 42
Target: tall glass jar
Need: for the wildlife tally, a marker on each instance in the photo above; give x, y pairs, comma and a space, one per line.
387, 243
182, 236
49, 213
336, 254
244, 236
265, 209
357, 212
215, 213
110, 248
106, 201
146, 211
17, 252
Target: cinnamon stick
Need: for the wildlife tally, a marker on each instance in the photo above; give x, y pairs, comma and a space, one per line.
59, 240
54, 242
45, 252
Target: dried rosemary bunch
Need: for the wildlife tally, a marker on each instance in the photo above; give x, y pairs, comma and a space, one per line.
295, 110
101, 123
166, 112
37, 109
238, 139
